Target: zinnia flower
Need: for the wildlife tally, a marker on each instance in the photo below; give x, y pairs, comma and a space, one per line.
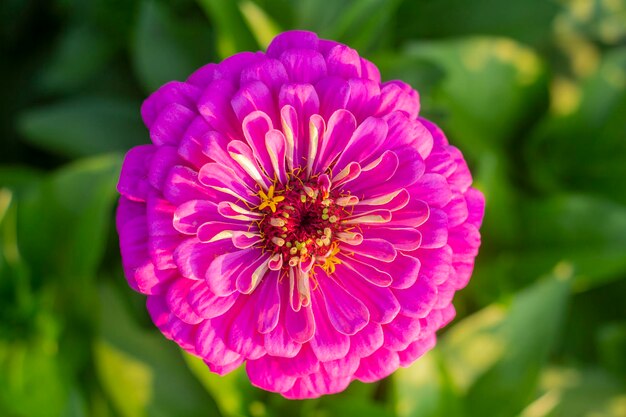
293, 213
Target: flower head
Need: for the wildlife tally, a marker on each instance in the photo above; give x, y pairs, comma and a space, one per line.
293, 213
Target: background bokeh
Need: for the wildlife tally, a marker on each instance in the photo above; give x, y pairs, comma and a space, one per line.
532, 91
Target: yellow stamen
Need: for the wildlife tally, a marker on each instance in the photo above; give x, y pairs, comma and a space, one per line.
269, 199
331, 259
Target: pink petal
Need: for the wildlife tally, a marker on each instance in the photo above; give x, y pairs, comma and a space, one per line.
380, 301
435, 230
402, 238
255, 126
326, 343
216, 230
177, 301
133, 183
365, 141
346, 313
226, 368
344, 62
456, 210
364, 98
343, 367
303, 65
268, 307
225, 269
238, 328
215, 108
377, 172
475, 206
433, 189
374, 248
404, 131
182, 185
254, 96
401, 332
171, 92
380, 364
418, 300
415, 350
211, 347
206, 304
270, 72
364, 270
461, 179
292, 39
163, 159
190, 215
334, 93
404, 270
396, 95
265, 374
276, 146
339, 130
193, 257
171, 124
369, 71
248, 279
300, 324
435, 263
367, 341
278, 342
190, 147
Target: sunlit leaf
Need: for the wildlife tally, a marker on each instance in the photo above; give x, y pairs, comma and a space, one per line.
572, 392
143, 374
500, 355
232, 392
584, 150
424, 389
492, 87
233, 35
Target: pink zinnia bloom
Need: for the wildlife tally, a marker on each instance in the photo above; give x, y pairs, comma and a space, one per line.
295, 213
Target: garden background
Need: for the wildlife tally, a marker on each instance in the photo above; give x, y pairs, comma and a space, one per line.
532, 91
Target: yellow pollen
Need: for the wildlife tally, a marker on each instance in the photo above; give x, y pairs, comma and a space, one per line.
331, 260
274, 221
269, 200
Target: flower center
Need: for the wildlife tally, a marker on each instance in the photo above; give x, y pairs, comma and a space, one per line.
302, 221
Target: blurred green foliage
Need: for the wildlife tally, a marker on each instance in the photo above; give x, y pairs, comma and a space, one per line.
532, 91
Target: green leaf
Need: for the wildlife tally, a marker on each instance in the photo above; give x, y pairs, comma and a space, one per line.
498, 353
492, 87
142, 373
583, 150
233, 393
529, 20
577, 392
233, 35
80, 53
163, 46
424, 389
612, 345
83, 126
361, 24
63, 224
263, 27
31, 380
568, 228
